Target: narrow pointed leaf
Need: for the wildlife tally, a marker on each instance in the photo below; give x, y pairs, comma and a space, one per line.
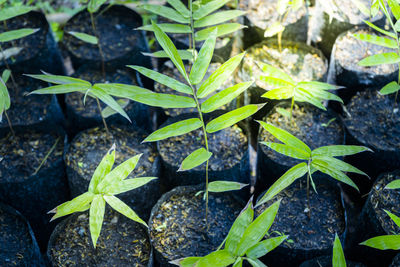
16, 34
108, 112
339, 164
378, 59
10, 12
184, 54
168, 28
285, 137
175, 129
265, 246
208, 8
219, 258
270, 71
122, 208
287, 150
163, 79
126, 185
319, 94
195, 159
102, 169
393, 184
383, 242
180, 7
218, 18
87, 38
96, 216
186, 262
390, 88
256, 262
203, 60
373, 26
218, 77
318, 85
5, 96
108, 100
57, 79
394, 218
377, 40
338, 259
238, 262
276, 82
224, 186
223, 29
224, 97
339, 150
231, 118
302, 95
62, 89
257, 229
374, 8
94, 5
284, 181
395, 8
166, 12
274, 29
73, 205
280, 93
6, 75
363, 9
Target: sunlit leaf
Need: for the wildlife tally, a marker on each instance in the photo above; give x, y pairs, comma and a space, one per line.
339, 164
265, 246
10, 12
284, 92
122, 208
96, 216
180, 7
175, 129
222, 29
287, 150
224, 186
373, 26
339, 150
282, 6
184, 54
395, 8
16, 34
274, 29
378, 59
271, 71
126, 185
166, 12
338, 259
168, 28
108, 100
363, 9
102, 169
208, 8
195, 159
390, 88
73, 205
219, 258
377, 40
394, 218
108, 112
383, 242
186, 262
62, 89
87, 38
393, 184
218, 18
57, 79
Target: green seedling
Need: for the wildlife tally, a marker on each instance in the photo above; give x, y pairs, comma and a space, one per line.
338, 259
103, 187
98, 91
312, 92
197, 20
321, 159
385, 242
243, 242
5, 101
194, 89
393, 184
390, 39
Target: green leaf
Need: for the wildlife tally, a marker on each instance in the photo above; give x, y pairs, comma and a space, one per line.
184, 54
338, 259
317, 85
96, 216
287, 150
262, 248
219, 76
80, 203
169, 48
297, 4
180, 7
218, 18
395, 8
186, 262
390, 88
87, 38
168, 28
384, 58
222, 29
383, 242
163, 79
270, 71
274, 29
195, 159
276, 82
302, 95
203, 60
285, 137
374, 8
363, 9
339, 150
208, 8
339, 164
126, 185
6, 75
317, 93
16, 34
108, 100
102, 169
224, 186
230, 118
238, 262
57, 79
224, 97
333, 172
175, 129
387, 33
257, 229
377, 40
147, 97
10, 12
94, 5
394, 218
256, 262
280, 93
240, 224
62, 89
284, 181
219, 258
393, 184
166, 12
4, 98
122, 208
108, 112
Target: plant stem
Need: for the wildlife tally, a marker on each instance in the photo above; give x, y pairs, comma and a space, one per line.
102, 117
9, 123
308, 188
47, 156
103, 68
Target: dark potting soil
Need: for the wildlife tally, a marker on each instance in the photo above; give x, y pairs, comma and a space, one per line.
170, 70
122, 242
326, 261
228, 147
396, 261
386, 199
23, 153
374, 121
177, 225
116, 33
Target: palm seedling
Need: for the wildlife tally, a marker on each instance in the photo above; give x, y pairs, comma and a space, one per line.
103, 187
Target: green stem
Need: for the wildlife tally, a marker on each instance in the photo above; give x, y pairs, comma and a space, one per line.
47, 156
9, 123
102, 117
308, 191
103, 68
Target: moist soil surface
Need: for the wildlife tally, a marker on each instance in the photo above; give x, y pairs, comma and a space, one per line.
31, 44
262, 13
308, 124
22, 154
373, 120
88, 148
116, 35
228, 147
326, 261
15, 240
316, 232
170, 70
122, 242
386, 199
349, 51
25, 110
177, 227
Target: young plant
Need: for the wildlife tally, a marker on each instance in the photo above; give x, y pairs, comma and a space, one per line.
393, 184
385, 242
5, 101
103, 187
287, 88
320, 159
391, 40
65, 84
195, 20
243, 242
338, 259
